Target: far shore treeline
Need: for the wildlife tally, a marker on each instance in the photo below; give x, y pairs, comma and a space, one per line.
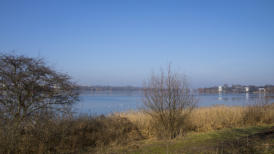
210, 90
109, 88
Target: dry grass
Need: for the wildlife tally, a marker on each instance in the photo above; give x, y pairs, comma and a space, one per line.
210, 118
141, 120
216, 117
92, 134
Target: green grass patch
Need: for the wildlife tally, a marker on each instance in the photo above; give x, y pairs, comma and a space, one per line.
210, 142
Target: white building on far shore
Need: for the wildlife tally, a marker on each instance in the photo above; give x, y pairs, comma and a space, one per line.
220, 89
262, 90
246, 89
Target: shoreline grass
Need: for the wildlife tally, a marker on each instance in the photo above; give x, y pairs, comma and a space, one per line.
127, 131
205, 119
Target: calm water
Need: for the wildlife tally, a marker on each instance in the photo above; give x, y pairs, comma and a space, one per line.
106, 102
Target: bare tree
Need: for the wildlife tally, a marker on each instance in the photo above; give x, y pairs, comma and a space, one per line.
168, 100
28, 87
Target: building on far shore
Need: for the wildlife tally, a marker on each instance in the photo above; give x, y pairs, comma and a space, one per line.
238, 89
246, 89
261, 90
220, 89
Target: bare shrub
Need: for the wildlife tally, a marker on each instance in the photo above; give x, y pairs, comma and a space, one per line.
30, 93
168, 100
65, 135
28, 88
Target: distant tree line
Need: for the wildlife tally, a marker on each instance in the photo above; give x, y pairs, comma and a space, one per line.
109, 88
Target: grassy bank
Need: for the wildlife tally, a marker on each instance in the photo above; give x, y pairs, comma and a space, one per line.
211, 129
255, 139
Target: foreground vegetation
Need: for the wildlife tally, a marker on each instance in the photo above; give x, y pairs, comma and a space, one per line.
211, 129
35, 117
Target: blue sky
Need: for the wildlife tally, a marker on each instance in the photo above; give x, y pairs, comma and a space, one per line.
120, 42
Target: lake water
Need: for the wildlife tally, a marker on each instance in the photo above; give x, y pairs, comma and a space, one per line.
106, 102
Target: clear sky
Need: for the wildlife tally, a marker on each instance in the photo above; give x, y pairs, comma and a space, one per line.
119, 42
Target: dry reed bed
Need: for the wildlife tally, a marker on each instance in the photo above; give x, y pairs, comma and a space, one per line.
88, 134
210, 118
